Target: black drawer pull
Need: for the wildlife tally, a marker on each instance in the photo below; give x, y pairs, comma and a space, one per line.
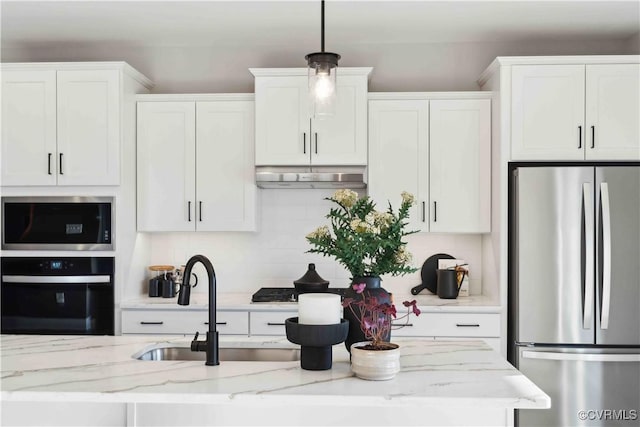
151, 323
467, 325
402, 324
217, 323
274, 324
49, 164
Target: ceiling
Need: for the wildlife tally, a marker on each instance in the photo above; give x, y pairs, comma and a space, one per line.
273, 23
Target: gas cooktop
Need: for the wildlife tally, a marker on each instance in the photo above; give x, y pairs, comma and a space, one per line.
285, 294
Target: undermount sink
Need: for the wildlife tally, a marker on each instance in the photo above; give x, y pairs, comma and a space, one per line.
226, 354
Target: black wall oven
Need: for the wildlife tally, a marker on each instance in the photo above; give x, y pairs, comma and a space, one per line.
57, 223
62, 295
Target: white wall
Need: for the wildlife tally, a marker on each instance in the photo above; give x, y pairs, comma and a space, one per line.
275, 255
633, 44
223, 68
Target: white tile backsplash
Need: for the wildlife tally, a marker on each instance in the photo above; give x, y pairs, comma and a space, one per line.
276, 254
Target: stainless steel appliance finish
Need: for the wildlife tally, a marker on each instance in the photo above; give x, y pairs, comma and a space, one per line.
574, 320
58, 223
226, 354
53, 296
311, 177
582, 379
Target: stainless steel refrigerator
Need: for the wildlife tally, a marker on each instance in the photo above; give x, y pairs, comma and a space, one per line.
574, 291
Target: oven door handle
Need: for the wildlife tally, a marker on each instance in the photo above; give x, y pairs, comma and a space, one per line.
55, 279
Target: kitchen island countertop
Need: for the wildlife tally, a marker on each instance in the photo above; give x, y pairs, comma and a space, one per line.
101, 368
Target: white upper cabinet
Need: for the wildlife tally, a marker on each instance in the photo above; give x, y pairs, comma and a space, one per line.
286, 132
547, 112
195, 164
460, 165
575, 112
88, 127
61, 122
399, 155
166, 161
225, 175
440, 151
29, 127
613, 112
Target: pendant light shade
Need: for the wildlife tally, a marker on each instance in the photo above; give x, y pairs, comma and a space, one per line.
322, 67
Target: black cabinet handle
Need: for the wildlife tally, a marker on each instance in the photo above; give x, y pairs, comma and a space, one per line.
435, 211
304, 143
579, 136
217, 323
189, 211
316, 142
49, 163
467, 325
593, 137
200, 210
151, 323
402, 324
424, 209
61, 173
274, 324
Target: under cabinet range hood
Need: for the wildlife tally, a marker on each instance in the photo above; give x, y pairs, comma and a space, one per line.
311, 177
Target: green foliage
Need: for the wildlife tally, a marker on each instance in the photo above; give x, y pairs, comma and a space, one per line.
367, 242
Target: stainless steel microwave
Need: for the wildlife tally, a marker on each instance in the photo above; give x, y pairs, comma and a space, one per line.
57, 223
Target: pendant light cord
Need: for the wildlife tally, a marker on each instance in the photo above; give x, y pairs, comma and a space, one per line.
322, 27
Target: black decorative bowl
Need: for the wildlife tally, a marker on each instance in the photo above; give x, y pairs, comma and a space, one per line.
316, 341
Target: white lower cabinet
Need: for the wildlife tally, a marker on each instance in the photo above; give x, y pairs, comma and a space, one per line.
148, 321
454, 326
269, 322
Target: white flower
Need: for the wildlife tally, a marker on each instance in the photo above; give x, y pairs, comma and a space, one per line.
403, 256
318, 233
407, 198
346, 197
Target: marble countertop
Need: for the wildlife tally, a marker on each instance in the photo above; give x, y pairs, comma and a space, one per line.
101, 369
242, 301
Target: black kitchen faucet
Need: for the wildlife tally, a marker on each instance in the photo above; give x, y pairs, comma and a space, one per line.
210, 345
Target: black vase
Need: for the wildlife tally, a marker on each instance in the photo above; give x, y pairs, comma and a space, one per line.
373, 289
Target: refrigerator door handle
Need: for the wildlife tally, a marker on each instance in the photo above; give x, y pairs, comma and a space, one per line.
606, 256
585, 357
588, 284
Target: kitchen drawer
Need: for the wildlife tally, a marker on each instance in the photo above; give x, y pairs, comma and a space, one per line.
451, 325
269, 322
183, 322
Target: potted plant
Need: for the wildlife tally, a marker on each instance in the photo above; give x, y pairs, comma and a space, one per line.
369, 243
375, 359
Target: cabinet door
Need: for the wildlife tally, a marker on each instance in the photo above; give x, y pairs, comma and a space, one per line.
282, 121
547, 112
166, 166
398, 155
29, 127
460, 166
225, 175
341, 139
88, 127
613, 112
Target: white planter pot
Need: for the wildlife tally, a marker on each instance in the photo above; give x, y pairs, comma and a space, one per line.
374, 364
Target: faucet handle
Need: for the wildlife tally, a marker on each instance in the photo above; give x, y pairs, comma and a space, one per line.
198, 345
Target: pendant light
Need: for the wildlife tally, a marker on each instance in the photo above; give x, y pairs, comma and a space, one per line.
322, 67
